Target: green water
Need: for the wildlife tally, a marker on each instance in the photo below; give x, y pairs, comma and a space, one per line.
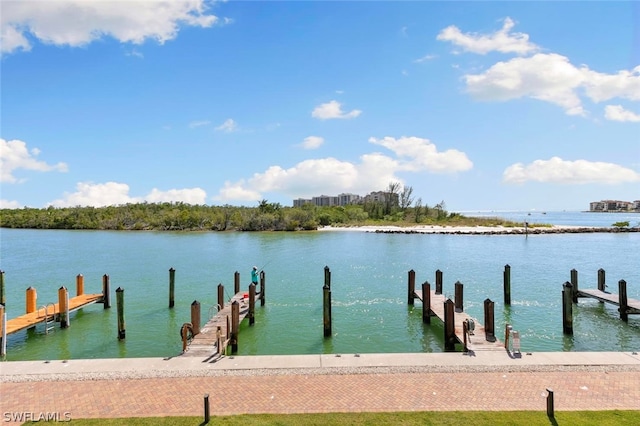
369, 285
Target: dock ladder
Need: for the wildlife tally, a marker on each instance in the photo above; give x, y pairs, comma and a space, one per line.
49, 320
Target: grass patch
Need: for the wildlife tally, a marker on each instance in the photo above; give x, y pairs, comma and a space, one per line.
476, 418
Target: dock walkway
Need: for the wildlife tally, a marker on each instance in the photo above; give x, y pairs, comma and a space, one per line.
38, 316
206, 342
478, 341
633, 306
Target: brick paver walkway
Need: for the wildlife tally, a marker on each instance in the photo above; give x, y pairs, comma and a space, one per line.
573, 390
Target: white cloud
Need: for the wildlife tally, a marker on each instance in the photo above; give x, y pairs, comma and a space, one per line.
502, 40
237, 192
618, 113
552, 78
187, 195
228, 126
80, 22
200, 123
425, 58
14, 155
373, 172
557, 170
547, 77
114, 193
601, 87
312, 142
333, 109
424, 155
7, 204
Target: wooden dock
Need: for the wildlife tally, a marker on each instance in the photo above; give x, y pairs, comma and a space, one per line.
38, 316
479, 341
205, 344
633, 306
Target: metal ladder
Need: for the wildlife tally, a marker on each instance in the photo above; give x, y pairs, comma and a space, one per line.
48, 323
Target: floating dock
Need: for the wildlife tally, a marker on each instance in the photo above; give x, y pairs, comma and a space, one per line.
50, 313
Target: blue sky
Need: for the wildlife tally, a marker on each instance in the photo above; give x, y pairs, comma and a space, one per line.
483, 105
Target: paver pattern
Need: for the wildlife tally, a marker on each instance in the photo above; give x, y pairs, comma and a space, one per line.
302, 393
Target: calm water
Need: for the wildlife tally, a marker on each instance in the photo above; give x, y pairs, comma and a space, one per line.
369, 281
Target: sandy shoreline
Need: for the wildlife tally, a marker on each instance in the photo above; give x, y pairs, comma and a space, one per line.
479, 230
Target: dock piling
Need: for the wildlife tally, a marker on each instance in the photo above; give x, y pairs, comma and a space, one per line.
489, 321
438, 281
172, 287
327, 276
326, 302
263, 285
252, 304
622, 294
221, 296
236, 282
32, 298
79, 285
449, 326
567, 308
412, 286
63, 305
106, 292
574, 285
506, 278
3, 332
3, 297
601, 280
459, 296
195, 317
235, 325
120, 308
426, 302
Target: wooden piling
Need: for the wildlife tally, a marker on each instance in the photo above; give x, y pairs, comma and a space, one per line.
252, 304
235, 325
3, 332
622, 294
120, 308
601, 280
263, 285
489, 321
32, 300
236, 282
449, 326
459, 296
172, 287
506, 278
426, 302
220, 297
79, 285
327, 277
438, 281
411, 287
3, 296
567, 308
574, 286
106, 292
63, 306
195, 317
326, 307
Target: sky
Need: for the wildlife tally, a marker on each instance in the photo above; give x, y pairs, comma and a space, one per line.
510, 105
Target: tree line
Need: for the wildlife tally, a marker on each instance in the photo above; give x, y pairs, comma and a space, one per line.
266, 216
